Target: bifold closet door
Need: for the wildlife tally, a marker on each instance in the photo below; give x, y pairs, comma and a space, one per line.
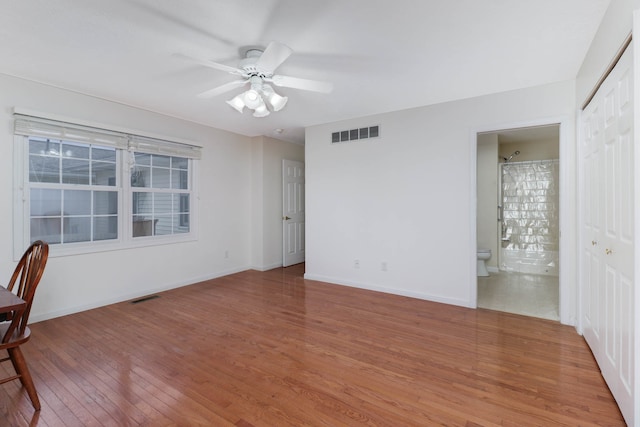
607, 165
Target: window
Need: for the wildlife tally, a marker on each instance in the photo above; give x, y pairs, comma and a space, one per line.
72, 192
87, 189
160, 195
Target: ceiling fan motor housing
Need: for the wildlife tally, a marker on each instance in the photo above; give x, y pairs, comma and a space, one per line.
248, 64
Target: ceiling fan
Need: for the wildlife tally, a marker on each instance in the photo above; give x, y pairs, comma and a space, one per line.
257, 69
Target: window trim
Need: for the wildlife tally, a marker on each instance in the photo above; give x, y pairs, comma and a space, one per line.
141, 140
125, 240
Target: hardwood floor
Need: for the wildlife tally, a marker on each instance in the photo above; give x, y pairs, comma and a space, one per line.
271, 349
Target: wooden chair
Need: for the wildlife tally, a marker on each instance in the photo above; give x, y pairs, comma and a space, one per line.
14, 330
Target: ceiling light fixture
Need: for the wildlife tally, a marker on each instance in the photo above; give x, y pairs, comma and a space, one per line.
257, 99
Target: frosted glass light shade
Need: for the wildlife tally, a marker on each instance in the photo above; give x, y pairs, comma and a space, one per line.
261, 110
237, 103
252, 99
278, 102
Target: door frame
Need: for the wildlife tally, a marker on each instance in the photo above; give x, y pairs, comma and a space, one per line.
568, 273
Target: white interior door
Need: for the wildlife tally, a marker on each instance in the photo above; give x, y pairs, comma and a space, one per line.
608, 232
292, 212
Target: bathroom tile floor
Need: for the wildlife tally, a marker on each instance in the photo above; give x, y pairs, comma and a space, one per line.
527, 294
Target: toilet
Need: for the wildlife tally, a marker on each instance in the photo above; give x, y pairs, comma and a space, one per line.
483, 255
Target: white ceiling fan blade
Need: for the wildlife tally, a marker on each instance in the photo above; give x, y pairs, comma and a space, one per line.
304, 84
274, 55
222, 89
211, 64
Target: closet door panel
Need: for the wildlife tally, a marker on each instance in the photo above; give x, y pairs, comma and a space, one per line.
607, 164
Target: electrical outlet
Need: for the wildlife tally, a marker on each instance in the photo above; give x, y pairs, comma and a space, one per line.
356, 263
226, 254
383, 266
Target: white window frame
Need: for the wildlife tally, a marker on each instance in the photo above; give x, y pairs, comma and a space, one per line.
160, 190
125, 240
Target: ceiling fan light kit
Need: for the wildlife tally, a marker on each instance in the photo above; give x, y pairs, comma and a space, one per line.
257, 68
255, 99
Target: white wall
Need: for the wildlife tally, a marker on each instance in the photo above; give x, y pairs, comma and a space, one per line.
267, 156
257, 206
614, 28
408, 197
74, 283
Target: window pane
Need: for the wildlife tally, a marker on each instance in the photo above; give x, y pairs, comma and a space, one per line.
142, 226
105, 154
105, 228
179, 163
140, 176
142, 159
75, 150
182, 202
162, 204
44, 147
160, 178
45, 202
75, 171
105, 202
179, 179
46, 229
77, 202
37, 146
164, 225
77, 229
142, 203
163, 161
44, 169
104, 173
181, 223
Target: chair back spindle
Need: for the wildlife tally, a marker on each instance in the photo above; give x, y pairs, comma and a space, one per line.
26, 278
23, 283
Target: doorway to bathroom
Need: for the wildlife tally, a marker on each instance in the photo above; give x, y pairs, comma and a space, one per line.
518, 220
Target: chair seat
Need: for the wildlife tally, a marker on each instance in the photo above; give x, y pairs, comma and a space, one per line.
16, 339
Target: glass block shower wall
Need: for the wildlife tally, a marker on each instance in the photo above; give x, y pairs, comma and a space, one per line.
530, 225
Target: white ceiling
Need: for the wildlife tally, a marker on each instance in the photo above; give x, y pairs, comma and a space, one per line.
381, 55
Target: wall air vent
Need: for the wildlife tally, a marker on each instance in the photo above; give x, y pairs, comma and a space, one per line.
355, 134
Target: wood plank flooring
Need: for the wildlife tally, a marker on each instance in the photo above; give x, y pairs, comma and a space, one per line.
273, 349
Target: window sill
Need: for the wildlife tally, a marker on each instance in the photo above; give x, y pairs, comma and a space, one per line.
70, 249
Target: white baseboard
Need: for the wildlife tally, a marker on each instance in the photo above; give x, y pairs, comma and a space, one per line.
266, 267
393, 291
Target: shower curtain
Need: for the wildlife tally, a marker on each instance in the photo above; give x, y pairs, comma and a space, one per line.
529, 217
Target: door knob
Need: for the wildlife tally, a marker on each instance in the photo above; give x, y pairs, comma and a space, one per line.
593, 243
608, 251
285, 218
